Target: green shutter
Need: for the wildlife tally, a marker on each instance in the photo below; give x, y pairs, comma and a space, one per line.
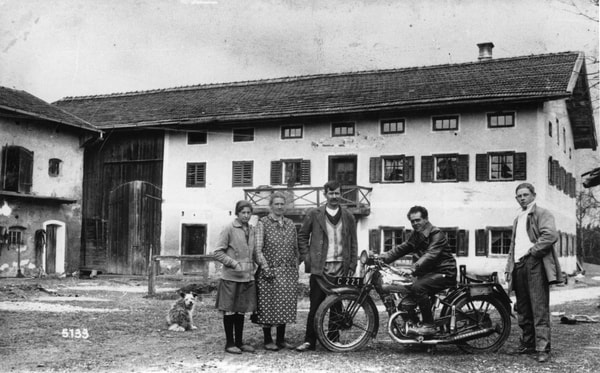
409, 169
276, 175
304, 172
520, 166
462, 172
481, 167
375, 170
427, 168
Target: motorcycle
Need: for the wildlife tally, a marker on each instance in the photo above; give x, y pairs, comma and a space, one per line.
474, 315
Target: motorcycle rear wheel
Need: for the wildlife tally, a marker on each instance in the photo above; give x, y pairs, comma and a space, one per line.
344, 325
488, 312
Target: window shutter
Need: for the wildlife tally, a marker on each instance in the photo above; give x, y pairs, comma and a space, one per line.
463, 243
555, 169
304, 172
427, 168
550, 172
375, 240
462, 173
481, 167
375, 170
276, 174
481, 241
409, 169
4, 166
25, 170
520, 166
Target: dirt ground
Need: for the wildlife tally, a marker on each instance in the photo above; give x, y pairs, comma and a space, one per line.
108, 325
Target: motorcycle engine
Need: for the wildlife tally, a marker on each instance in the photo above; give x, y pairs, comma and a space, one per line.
394, 282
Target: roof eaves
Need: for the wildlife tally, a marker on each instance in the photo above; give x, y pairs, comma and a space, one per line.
89, 127
576, 71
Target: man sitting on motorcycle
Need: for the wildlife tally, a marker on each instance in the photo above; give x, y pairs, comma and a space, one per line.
433, 266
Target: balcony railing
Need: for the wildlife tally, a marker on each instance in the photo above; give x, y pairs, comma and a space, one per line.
299, 199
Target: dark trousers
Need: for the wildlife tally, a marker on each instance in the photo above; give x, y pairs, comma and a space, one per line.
533, 303
317, 296
426, 286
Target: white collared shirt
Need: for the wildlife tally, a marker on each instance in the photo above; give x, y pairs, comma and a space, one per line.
522, 241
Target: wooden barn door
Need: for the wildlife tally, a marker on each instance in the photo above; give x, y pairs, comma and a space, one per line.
133, 227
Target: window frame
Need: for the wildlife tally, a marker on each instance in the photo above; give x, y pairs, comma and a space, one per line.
17, 169
54, 163
435, 119
292, 127
397, 121
491, 155
512, 114
201, 141
435, 167
336, 125
506, 232
199, 182
242, 137
384, 159
243, 164
397, 237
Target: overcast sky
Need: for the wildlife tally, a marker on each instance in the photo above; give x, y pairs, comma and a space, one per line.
54, 48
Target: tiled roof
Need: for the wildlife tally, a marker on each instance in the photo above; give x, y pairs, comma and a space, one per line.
23, 103
534, 77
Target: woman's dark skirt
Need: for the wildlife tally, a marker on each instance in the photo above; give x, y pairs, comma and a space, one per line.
235, 296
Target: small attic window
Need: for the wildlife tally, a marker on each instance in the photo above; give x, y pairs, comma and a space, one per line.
54, 167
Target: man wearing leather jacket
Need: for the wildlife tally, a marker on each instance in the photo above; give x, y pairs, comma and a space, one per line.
433, 264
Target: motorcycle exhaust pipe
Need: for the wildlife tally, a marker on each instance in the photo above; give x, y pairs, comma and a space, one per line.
457, 338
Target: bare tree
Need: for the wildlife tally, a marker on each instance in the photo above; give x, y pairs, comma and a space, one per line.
588, 225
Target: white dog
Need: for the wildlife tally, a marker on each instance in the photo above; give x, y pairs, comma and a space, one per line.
180, 317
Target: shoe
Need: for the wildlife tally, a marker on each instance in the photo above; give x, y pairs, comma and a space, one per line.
543, 356
271, 347
523, 350
233, 350
306, 346
425, 330
246, 348
285, 345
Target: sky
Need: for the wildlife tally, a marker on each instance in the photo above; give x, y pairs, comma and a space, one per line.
58, 48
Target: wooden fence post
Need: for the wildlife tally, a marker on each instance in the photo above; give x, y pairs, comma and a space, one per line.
151, 277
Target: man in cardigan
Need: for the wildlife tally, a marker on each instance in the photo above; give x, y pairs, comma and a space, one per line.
532, 266
327, 244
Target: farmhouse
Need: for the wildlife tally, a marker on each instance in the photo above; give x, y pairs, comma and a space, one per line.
455, 138
40, 185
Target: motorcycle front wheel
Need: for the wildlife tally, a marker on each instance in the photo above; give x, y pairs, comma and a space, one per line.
478, 313
342, 324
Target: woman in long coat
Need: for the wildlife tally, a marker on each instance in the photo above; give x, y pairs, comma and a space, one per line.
277, 278
236, 294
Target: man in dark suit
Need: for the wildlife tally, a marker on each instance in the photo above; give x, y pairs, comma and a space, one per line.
532, 266
328, 246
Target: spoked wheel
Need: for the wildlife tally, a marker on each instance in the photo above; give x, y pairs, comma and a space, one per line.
342, 324
478, 313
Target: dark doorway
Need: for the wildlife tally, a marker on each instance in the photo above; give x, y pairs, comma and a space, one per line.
51, 248
343, 169
193, 240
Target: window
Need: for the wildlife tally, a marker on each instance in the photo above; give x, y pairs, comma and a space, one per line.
243, 134
550, 129
15, 236
290, 172
569, 153
501, 166
392, 126
392, 169
493, 241
17, 169
54, 167
242, 173
445, 168
392, 237
342, 129
196, 175
445, 123
557, 132
564, 140
196, 138
457, 240
291, 132
500, 241
452, 237
550, 171
496, 120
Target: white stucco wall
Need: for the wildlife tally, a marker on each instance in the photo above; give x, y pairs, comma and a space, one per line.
467, 205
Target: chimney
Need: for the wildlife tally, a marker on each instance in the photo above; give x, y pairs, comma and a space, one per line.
485, 51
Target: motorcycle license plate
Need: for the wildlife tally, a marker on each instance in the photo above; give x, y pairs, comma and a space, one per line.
348, 281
